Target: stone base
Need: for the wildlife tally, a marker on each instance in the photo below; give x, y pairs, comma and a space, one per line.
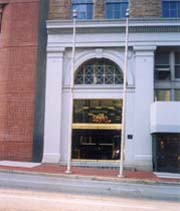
51, 158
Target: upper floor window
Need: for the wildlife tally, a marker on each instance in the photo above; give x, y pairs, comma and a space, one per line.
84, 8
171, 8
167, 76
162, 66
99, 72
116, 9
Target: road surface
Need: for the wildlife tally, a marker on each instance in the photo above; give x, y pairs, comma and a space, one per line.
28, 200
20, 192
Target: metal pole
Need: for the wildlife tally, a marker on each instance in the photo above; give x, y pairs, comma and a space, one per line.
68, 170
123, 131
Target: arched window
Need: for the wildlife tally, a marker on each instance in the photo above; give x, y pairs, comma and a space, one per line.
98, 71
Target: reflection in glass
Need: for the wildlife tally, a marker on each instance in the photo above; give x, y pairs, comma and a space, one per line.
96, 129
96, 144
116, 9
167, 152
97, 111
177, 94
84, 9
163, 95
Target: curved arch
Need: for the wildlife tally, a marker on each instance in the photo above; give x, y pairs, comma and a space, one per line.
88, 55
106, 54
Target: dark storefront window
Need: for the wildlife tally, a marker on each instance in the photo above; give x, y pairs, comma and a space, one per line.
166, 148
96, 144
96, 129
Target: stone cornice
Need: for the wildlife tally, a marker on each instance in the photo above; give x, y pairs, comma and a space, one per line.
105, 26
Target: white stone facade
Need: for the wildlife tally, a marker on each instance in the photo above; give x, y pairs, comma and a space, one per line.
104, 40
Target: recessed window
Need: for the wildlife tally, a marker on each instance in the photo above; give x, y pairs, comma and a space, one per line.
99, 72
162, 66
167, 75
84, 9
116, 9
171, 8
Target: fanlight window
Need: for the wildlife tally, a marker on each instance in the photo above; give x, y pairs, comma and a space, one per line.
99, 72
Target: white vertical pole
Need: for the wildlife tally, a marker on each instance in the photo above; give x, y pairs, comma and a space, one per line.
123, 131
68, 170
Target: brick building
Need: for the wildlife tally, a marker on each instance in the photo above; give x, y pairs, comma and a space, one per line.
93, 85
20, 62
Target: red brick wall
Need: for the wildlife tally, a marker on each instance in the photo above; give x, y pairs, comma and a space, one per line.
18, 61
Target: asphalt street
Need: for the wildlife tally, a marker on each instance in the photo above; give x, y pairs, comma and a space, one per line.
169, 192
31, 200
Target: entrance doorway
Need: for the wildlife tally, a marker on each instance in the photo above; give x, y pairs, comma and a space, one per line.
96, 129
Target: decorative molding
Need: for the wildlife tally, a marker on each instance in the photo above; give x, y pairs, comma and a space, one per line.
106, 26
55, 49
114, 56
55, 52
144, 48
99, 53
144, 51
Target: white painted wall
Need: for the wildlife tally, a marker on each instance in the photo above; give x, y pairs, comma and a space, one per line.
144, 94
165, 117
52, 128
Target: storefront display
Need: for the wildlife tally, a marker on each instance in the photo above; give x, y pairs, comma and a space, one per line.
96, 129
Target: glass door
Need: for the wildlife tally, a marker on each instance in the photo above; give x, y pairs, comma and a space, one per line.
96, 129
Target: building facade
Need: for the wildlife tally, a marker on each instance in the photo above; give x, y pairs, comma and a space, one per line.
83, 104
20, 49
49, 101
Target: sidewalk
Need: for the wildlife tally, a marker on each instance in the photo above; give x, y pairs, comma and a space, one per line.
89, 173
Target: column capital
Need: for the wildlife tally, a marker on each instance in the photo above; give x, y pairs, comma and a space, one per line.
144, 50
55, 51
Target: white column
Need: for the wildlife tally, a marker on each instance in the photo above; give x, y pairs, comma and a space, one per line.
52, 129
144, 94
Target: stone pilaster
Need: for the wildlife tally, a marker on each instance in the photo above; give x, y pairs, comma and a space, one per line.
144, 94
52, 128
144, 8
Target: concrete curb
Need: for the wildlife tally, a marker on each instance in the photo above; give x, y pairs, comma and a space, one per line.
95, 178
